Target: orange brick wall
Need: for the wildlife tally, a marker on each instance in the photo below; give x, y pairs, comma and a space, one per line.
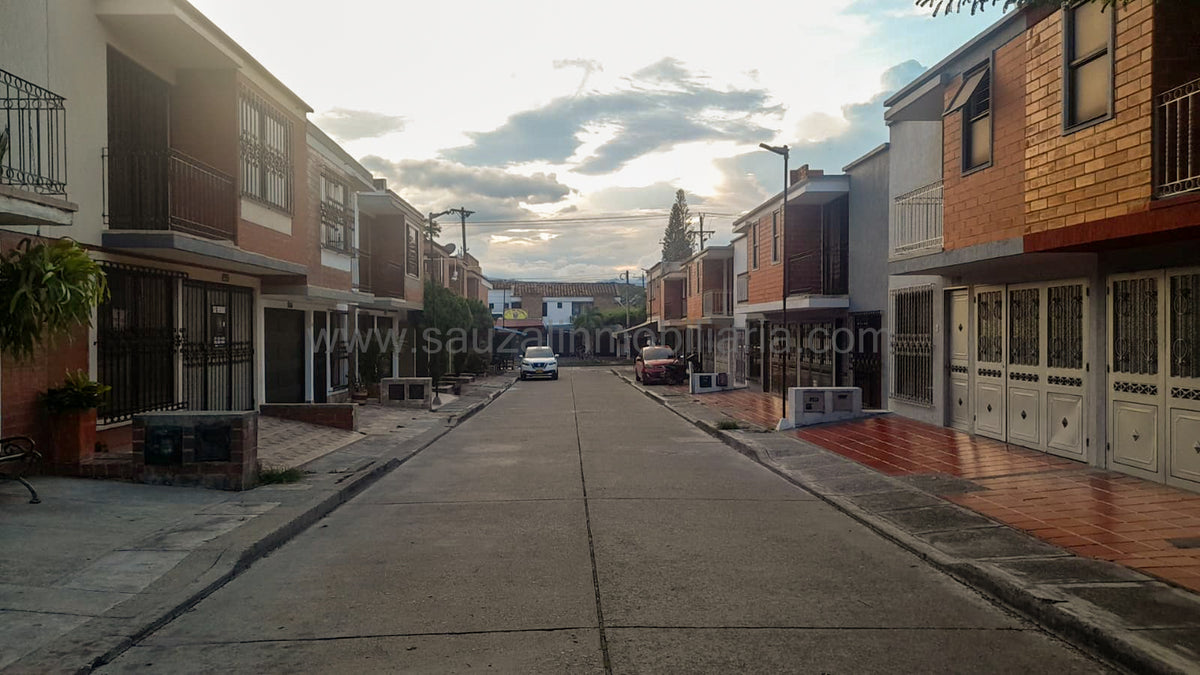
764, 284
987, 205
310, 211
22, 384
1102, 171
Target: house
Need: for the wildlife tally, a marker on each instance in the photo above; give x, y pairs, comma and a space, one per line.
555, 305
233, 232
1044, 232
708, 280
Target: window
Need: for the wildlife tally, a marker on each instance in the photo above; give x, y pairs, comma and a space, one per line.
516, 304
559, 306
335, 218
543, 309
1088, 63
775, 237
754, 246
912, 345
412, 264
974, 98
266, 145
339, 356
698, 277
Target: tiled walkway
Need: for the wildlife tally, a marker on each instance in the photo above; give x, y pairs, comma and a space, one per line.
746, 406
1094, 513
1102, 514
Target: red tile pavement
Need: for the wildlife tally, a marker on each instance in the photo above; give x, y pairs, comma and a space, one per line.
1095, 513
741, 404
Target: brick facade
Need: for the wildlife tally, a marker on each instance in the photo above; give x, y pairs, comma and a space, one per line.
23, 383
336, 415
986, 204
1102, 171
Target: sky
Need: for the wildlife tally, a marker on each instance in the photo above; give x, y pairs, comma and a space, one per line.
540, 112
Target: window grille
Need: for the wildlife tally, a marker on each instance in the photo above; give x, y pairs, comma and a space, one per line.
912, 344
266, 147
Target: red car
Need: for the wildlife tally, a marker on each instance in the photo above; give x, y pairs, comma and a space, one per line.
657, 364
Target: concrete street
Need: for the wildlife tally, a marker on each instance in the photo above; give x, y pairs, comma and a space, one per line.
578, 526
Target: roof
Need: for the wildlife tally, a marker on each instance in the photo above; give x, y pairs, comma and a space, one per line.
879, 149
557, 289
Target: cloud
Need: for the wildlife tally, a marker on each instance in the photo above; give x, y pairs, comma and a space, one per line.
591, 251
825, 142
588, 66
657, 196
662, 106
350, 125
494, 194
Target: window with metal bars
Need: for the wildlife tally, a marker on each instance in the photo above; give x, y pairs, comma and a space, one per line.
336, 225
912, 345
266, 149
339, 355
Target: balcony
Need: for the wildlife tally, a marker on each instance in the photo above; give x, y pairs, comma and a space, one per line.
1177, 136
915, 222
33, 157
716, 304
170, 191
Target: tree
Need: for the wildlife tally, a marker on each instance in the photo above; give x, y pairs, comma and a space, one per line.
433, 229
946, 7
46, 291
444, 313
677, 241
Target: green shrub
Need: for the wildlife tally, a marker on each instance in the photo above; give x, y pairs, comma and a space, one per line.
728, 425
79, 392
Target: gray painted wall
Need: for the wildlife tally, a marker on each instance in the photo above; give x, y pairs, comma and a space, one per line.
868, 233
915, 157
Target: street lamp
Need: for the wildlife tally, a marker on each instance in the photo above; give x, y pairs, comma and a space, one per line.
783, 152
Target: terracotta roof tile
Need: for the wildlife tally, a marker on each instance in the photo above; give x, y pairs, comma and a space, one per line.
558, 289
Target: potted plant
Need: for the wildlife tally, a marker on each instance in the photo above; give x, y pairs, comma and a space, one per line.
72, 409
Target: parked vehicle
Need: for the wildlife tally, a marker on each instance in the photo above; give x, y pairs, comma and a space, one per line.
659, 364
539, 362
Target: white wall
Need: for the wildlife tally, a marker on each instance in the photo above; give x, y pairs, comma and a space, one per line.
739, 267
915, 156
498, 299
560, 316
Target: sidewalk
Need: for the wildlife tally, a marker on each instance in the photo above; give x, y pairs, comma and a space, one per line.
99, 564
1025, 515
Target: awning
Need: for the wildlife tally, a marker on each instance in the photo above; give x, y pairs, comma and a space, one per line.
969, 86
644, 324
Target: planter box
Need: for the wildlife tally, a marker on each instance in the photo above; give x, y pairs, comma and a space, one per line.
72, 436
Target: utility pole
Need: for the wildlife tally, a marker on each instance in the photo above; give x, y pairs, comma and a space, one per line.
626, 302
702, 233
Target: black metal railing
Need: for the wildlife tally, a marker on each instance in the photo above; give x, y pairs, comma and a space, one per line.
203, 199
33, 125
170, 191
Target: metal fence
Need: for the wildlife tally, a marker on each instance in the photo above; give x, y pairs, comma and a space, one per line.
1177, 132
137, 341
33, 125
915, 221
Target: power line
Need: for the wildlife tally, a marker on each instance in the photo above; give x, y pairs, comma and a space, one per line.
549, 222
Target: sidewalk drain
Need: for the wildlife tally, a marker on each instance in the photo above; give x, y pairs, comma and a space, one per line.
1185, 542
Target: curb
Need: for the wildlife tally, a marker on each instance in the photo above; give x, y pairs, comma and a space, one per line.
289, 530
1121, 646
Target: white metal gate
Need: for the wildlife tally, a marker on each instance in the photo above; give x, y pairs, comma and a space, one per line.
960, 359
989, 373
1154, 375
1030, 372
